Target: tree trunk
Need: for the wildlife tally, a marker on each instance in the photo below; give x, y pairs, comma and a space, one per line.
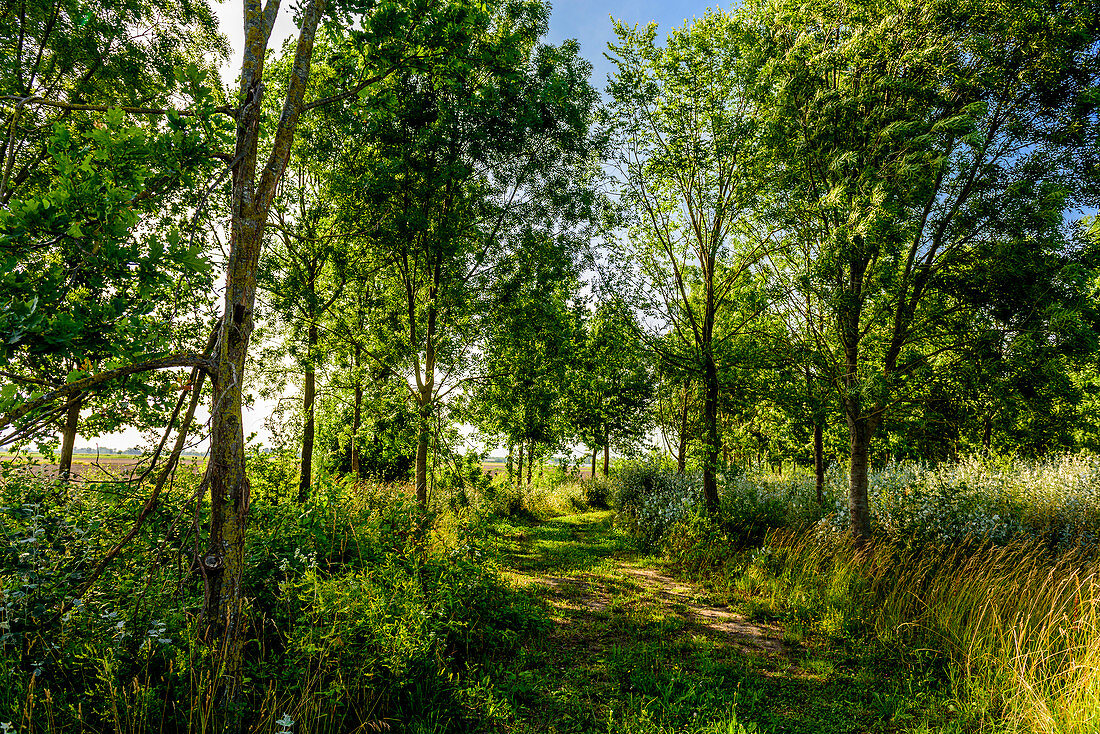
860, 430
595, 453
987, 434
710, 426
819, 464
356, 416
305, 476
681, 453
519, 472
68, 438
221, 564
606, 456
530, 460
509, 466
424, 420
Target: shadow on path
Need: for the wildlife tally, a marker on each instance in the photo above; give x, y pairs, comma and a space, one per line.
635, 650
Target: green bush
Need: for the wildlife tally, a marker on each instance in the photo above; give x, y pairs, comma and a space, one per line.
1054, 500
752, 505
596, 493
650, 497
355, 616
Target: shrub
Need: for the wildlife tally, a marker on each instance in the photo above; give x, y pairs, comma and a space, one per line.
752, 505
650, 497
1055, 500
396, 638
699, 545
354, 616
596, 493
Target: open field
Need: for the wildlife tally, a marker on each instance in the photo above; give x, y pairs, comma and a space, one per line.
124, 465
494, 468
90, 466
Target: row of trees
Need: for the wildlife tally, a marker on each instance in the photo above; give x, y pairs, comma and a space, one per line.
796, 217
884, 186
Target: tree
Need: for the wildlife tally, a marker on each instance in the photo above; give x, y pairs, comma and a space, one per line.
909, 139
304, 276
686, 136
76, 180
64, 63
83, 288
676, 411
255, 168
474, 163
254, 186
527, 353
610, 386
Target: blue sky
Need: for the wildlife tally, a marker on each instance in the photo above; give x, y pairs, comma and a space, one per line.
590, 23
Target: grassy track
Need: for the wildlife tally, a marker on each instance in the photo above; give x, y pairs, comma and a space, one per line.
633, 650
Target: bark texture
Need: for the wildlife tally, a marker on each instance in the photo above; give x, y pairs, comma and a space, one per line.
710, 426
68, 438
221, 562
356, 416
819, 464
309, 392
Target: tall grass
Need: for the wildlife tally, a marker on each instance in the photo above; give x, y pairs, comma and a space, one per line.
994, 565
1019, 626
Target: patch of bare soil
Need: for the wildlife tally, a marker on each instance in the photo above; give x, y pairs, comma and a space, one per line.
591, 593
748, 636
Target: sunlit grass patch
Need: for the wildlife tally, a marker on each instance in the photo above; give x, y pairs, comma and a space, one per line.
1018, 626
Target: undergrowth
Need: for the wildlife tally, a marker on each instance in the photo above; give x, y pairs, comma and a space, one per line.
991, 567
353, 621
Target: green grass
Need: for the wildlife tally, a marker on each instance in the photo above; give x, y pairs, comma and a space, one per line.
626, 655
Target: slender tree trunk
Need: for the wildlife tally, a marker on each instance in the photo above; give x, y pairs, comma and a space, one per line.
681, 453
819, 464
710, 426
68, 439
860, 431
595, 453
860, 426
221, 564
530, 460
423, 438
305, 476
509, 465
356, 416
987, 434
606, 456
519, 472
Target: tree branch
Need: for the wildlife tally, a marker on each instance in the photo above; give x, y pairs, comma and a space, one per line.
67, 391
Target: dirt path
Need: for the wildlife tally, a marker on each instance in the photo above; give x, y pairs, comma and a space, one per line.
630, 648
674, 599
